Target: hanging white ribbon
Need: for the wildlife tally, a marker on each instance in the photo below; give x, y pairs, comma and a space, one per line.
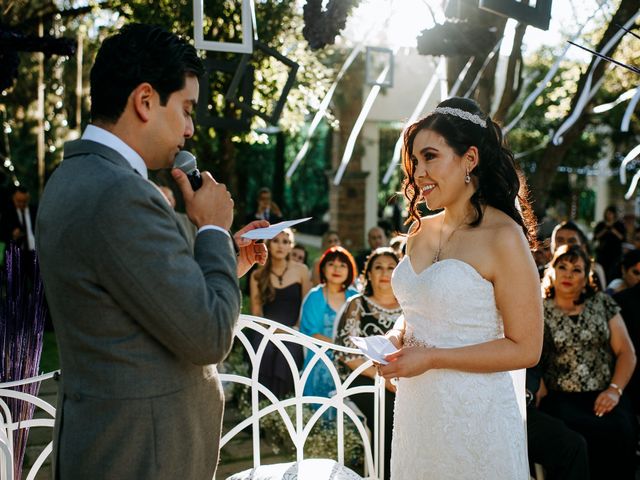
459, 80
426, 94
626, 119
357, 127
623, 166
324, 105
633, 186
586, 91
476, 80
547, 78
605, 107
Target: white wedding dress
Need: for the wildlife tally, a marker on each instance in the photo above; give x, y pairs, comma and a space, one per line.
450, 424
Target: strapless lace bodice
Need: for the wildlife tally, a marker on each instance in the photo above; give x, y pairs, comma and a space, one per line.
451, 424
449, 304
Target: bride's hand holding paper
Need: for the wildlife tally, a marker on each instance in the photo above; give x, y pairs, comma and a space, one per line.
408, 362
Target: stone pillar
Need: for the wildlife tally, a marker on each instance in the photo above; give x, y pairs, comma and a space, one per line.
347, 200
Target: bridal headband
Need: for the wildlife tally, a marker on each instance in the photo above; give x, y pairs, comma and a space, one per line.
456, 112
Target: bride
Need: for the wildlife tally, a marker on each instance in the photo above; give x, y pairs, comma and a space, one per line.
470, 295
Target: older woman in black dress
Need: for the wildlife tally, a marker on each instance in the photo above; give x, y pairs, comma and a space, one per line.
587, 361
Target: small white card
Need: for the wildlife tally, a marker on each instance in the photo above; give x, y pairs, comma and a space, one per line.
271, 231
374, 347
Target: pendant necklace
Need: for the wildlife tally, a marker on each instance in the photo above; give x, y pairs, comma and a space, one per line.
281, 276
436, 257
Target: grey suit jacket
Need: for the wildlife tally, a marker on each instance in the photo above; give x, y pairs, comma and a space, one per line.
136, 315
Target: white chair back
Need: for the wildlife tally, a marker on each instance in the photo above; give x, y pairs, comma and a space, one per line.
9, 425
298, 430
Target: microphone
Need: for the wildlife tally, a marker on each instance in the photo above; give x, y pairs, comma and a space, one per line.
186, 162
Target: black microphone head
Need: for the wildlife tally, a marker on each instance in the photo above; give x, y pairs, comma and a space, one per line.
185, 161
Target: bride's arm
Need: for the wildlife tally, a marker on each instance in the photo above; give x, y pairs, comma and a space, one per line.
517, 293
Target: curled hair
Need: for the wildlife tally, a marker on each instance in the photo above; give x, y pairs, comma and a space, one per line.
569, 253
367, 290
343, 255
266, 289
139, 53
500, 183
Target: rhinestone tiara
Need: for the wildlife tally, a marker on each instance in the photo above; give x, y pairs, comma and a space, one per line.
456, 112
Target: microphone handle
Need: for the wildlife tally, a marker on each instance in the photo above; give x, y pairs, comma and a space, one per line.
195, 179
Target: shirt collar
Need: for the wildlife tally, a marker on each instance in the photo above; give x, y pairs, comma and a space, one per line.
102, 136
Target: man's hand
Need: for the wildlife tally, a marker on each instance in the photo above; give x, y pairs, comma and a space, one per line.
211, 204
17, 233
250, 251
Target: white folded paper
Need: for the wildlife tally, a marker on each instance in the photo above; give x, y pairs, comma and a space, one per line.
374, 347
271, 231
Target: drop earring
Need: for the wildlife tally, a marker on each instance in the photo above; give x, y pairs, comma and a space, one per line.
467, 177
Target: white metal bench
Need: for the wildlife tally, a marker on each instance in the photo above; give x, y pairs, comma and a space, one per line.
291, 409
9, 425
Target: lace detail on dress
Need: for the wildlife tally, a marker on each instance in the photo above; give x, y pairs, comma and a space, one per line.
409, 340
450, 424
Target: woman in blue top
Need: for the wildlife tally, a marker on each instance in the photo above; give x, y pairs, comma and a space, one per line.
337, 271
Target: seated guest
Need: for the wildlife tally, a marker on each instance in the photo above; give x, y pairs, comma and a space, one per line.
550, 443
277, 290
375, 312
377, 238
266, 208
629, 301
587, 361
319, 309
330, 238
630, 273
299, 254
569, 233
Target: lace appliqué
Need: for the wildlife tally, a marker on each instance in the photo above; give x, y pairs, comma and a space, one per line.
456, 112
411, 341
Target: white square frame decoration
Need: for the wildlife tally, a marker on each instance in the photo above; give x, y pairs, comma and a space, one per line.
246, 46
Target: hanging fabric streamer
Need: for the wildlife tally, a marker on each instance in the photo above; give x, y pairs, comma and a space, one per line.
623, 166
426, 94
605, 107
547, 78
476, 80
633, 186
357, 127
322, 110
626, 119
585, 95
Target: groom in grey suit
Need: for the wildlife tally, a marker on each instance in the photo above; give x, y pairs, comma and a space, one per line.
136, 314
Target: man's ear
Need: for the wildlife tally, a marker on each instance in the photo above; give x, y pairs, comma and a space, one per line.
142, 99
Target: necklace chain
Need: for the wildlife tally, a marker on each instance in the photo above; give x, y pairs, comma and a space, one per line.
281, 276
436, 257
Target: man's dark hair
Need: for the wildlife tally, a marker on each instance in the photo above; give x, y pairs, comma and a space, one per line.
19, 189
139, 53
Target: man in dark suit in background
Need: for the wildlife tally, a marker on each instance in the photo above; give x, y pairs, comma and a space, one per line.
18, 221
137, 315
629, 301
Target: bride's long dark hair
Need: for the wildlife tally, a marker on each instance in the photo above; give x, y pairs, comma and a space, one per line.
500, 183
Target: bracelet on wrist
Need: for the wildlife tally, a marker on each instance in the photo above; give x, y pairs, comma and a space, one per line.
616, 388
